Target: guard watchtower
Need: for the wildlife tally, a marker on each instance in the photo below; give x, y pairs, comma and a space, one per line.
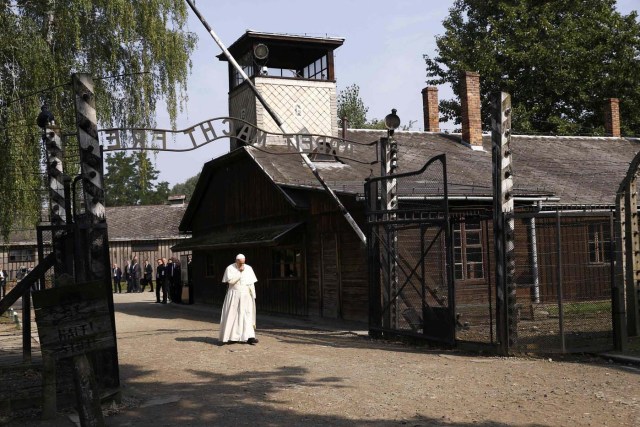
294, 74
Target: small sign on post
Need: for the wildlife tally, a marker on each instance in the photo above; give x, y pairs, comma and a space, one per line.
73, 321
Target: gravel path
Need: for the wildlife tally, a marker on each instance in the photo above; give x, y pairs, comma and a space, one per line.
174, 373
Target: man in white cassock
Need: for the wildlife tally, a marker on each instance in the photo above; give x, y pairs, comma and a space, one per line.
238, 319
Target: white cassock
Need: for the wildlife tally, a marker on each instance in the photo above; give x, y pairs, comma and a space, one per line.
238, 319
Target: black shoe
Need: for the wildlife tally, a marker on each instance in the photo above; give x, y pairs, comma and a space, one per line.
157, 302
252, 341
164, 302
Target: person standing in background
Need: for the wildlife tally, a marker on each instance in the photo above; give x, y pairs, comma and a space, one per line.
134, 272
173, 272
147, 276
160, 282
127, 275
116, 273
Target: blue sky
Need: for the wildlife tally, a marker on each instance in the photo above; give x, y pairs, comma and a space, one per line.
382, 54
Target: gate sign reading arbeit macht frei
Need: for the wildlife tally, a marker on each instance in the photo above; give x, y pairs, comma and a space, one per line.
196, 136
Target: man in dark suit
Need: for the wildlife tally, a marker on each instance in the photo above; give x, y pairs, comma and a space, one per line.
174, 275
116, 272
147, 276
134, 272
160, 282
127, 275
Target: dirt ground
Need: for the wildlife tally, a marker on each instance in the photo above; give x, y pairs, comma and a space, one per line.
174, 373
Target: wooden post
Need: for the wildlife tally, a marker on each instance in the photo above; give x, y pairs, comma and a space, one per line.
617, 279
632, 254
389, 203
373, 248
503, 222
26, 326
89, 408
93, 244
49, 398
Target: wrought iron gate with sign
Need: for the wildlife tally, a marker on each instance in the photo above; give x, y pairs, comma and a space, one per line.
410, 254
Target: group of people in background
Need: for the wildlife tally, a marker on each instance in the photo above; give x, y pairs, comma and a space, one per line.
137, 277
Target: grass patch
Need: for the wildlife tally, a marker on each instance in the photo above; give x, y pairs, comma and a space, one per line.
576, 308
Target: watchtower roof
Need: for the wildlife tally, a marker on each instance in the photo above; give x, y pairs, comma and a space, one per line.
285, 50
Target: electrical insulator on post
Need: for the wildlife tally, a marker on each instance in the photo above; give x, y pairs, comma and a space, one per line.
393, 155
52, 141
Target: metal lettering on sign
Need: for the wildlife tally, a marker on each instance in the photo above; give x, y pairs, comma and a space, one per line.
117, 139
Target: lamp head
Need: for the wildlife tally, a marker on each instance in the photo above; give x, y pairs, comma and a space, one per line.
45, 117
392, 121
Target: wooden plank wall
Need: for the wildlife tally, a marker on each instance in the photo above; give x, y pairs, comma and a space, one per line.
121, 251
239, 193
337, 276
283, 296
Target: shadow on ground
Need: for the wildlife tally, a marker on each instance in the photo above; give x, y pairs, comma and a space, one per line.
249, 399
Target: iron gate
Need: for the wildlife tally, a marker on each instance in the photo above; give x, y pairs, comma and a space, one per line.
410, 254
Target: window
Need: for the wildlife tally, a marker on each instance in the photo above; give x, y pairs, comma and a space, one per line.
246, 63
287, 263
467, 251
21, 254
210, 266
316, 70
599, 244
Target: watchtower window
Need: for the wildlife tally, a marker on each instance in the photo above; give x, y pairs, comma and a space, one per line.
282, 56
317, 70
247, 65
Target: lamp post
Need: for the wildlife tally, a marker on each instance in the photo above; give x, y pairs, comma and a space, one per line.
389, 199
392, 122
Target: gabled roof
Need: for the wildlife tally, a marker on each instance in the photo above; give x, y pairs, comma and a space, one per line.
574, 170
578, 170
128, 223
560, 169
144, 222
285, 50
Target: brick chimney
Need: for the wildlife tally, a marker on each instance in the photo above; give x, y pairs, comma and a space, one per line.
430, 109
612, 117
470, 103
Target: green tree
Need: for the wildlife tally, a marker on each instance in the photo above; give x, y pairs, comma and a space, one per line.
559, 61
119, 170
130, 180
186, 187
351, 106
137, 51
